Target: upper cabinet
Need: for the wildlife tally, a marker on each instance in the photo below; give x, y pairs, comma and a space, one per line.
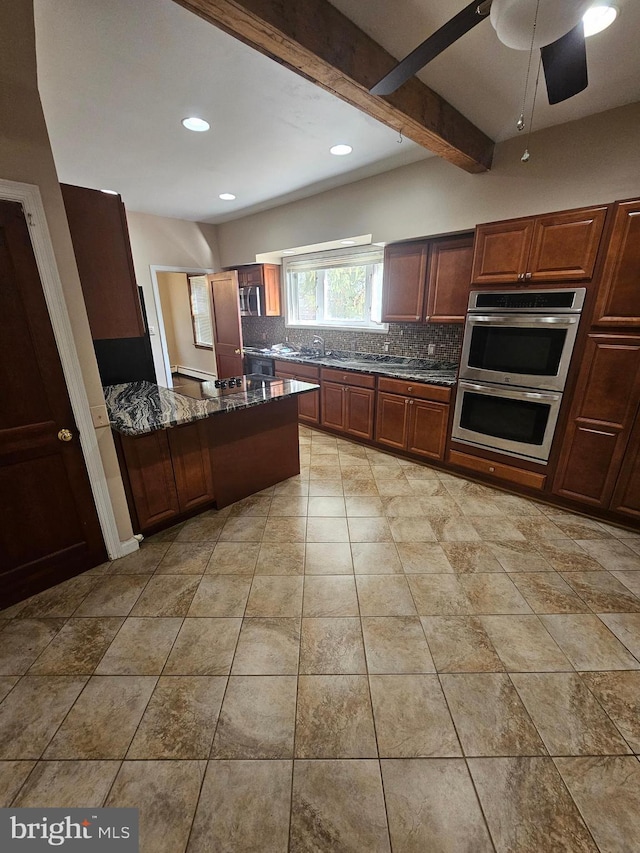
101, 245
267, 278
427, 280
618, 301
555, 247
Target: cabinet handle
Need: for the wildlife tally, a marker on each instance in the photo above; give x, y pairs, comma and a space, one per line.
410, 388
411, 402
527, 275
491, 469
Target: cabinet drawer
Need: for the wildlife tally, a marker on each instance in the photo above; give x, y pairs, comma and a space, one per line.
439, 393
497, 469
362, 380
303, 371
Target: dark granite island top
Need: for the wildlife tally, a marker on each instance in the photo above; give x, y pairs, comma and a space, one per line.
138, 408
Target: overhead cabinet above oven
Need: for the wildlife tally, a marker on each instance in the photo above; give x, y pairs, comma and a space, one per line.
555, 247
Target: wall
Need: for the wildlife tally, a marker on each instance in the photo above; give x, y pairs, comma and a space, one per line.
176, 313
590, 161
172, 243
25, 156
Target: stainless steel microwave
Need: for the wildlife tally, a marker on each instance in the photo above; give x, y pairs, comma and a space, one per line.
250, 301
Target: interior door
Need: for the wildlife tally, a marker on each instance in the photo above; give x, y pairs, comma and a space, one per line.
50, 529
227, 330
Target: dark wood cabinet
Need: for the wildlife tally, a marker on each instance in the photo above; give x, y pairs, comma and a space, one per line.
448, 280
413, 417
308, 404
227, 329
348, 407
555, 247
100, 237
604, 410
427, 280
267, 278
626, 495
404, 282
169, 473
618, 301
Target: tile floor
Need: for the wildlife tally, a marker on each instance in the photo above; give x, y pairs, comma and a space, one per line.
371, 656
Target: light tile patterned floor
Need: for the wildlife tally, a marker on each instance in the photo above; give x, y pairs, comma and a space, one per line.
371, 656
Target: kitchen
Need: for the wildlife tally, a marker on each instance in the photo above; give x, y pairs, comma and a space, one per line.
424, 198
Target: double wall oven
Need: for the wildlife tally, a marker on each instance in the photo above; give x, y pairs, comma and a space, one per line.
515, 359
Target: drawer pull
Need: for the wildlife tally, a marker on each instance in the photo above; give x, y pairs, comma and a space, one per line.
410, 388
491, 469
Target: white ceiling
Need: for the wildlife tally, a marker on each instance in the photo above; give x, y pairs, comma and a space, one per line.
116, 78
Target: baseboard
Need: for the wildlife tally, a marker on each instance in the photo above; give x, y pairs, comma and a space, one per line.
196, 374
126, 547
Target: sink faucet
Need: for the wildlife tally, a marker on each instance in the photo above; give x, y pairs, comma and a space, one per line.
318, 340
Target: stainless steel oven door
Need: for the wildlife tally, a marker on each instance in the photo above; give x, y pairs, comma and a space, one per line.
524, 350
515, 421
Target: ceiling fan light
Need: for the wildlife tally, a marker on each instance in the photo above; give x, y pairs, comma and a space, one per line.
513, 20
598, 18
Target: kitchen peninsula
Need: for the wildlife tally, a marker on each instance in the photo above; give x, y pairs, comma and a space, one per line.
182, 453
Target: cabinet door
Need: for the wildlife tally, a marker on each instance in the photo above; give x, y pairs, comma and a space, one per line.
626, 497
501, 251
604, 407
565, 245
448, 281
404, 281
333, 405
227, 331
309, 405
272, 305
391, 420
191, 465
427, 428
619, 295
98, 227
151, 477
359, 411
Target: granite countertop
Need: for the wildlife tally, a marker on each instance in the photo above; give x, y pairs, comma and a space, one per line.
138, 408
416, 369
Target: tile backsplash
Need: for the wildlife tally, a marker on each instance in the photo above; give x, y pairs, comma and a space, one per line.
404, 339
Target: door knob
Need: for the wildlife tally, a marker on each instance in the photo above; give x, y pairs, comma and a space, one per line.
237, 352
65, 435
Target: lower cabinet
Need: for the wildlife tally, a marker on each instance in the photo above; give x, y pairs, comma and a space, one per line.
407, 421
308, 404
348, 407
169, 473
599, 462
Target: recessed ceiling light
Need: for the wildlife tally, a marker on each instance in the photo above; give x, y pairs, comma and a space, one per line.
348, 242
598, 18
341, 150
288, 252
109, 192
197, 124
227, 196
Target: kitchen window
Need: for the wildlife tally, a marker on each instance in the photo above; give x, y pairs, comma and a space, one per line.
338, 289
200, 305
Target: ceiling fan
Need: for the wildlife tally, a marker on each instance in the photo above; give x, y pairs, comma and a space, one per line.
554, 26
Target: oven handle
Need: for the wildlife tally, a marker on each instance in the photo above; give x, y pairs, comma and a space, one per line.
521, 321
492, 391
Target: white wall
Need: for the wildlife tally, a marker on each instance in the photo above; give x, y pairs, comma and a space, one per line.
590, 161
159, 241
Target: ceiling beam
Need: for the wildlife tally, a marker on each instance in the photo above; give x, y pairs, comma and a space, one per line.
314, 39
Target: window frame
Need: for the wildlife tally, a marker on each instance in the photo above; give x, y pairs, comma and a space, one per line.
197, 344
368, 255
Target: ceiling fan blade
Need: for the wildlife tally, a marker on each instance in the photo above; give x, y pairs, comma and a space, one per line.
440, 40
565, 65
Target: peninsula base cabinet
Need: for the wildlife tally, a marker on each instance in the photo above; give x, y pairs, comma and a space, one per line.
168, 473
407, 421
599, 463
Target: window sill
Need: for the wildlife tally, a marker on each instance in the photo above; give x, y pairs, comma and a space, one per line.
383, 328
